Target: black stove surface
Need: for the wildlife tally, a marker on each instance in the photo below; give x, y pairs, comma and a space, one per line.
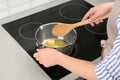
87, 45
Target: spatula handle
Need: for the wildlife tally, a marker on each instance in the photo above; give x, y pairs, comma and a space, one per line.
81, 23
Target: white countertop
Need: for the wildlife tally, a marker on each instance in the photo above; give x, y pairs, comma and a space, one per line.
15, 63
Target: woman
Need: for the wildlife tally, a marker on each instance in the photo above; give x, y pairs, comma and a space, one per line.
109, 67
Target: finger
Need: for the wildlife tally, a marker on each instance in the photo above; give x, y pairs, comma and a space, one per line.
37, 49
97, 22
41, 62
46, 66
93, 18
101, 21
87, 15
35, 55
37, 59
92, 24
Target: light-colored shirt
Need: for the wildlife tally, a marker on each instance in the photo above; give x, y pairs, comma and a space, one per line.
109, 67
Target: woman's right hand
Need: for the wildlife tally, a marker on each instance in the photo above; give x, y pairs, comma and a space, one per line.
48, 56
98, 11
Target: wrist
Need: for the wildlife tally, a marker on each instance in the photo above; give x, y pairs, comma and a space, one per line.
60, 59
109, 5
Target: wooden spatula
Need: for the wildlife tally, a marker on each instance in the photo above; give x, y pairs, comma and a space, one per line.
63, 28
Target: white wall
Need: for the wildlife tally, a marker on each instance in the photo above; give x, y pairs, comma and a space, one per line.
97, 2
9, 7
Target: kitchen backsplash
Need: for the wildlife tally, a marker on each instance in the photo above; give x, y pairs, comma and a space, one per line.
10, 7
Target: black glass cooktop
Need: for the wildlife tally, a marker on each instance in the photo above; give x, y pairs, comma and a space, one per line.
87, 45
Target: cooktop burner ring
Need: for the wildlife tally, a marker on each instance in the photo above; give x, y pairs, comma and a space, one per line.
74, 51
66, 9
27, 30
97, 29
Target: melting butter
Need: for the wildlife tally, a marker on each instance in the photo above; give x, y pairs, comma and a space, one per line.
55, 43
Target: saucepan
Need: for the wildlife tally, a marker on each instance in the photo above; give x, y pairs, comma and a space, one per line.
45, 38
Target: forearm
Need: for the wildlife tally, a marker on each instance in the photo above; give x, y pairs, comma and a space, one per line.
109, 5
82, 68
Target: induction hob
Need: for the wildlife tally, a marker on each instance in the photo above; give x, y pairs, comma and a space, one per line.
87, 45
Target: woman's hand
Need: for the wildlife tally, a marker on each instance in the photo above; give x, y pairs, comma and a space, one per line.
98, 11
47, 56
50, 57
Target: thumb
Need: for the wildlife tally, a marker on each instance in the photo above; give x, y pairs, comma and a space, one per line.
37, 49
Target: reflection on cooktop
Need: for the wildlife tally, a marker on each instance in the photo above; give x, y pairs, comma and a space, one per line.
87, 44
